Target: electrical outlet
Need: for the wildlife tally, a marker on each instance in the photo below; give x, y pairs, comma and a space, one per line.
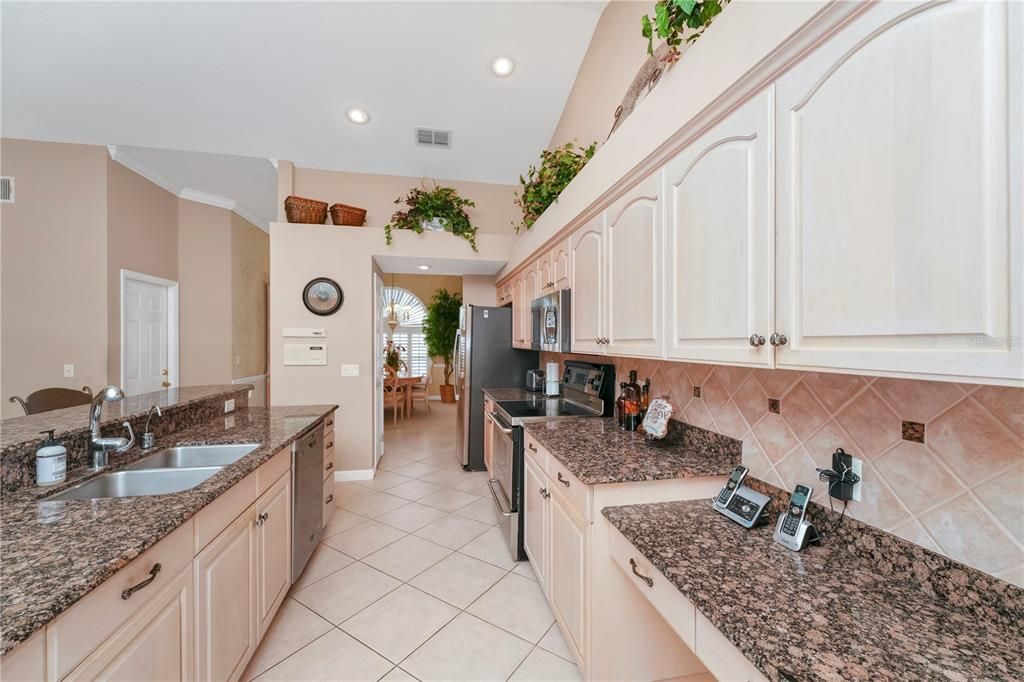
69, 371
842, 462
858, 468
229, 405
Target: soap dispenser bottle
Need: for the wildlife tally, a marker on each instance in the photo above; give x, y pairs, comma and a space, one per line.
51, 461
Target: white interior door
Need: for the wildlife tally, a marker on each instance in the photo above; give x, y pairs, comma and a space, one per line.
149, 323
378, 369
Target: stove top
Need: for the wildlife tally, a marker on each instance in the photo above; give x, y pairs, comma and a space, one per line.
541, 408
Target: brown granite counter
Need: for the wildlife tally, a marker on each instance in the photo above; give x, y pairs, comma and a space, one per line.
55, 552
863, 606
596, 451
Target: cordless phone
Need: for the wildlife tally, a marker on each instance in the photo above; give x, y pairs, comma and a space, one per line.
731, 486
792, 530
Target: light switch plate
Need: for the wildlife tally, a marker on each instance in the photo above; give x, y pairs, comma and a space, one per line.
229, 405
350, 370
69, 371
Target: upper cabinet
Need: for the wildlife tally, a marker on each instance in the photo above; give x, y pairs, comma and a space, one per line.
899, 195
719, 241
520, 313
586, 253
633, 234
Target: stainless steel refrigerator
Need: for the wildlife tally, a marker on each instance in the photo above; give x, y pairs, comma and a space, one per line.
484, 358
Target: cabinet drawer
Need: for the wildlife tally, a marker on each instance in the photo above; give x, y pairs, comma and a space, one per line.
329, 422
78, 631
668, 601
535, 451
272, 469
218, 515
579, 495
329, 454
328, 499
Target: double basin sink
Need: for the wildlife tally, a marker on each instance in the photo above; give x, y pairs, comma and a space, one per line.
167, 471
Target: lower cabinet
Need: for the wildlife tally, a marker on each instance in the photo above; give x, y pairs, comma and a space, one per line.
226, 610
536, 519
568, 579
273, 550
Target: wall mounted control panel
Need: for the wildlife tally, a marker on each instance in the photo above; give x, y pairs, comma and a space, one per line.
305, 353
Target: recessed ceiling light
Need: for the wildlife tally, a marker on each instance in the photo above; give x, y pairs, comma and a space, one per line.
423, 267
502, 66
358, 116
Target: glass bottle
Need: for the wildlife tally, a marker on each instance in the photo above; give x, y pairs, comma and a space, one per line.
620, 406
631, 405
645, 397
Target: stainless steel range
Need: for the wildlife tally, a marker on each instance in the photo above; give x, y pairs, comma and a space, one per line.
587, 390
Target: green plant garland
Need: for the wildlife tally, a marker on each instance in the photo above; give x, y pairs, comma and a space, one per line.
427, 204
541, 186
672, 17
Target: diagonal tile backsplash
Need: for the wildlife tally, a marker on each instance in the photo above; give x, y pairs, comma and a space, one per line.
958, 491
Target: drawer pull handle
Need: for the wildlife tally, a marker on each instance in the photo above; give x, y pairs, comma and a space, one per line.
532, 448
330, 465
638, 574
135, 588
562, 480
330, 498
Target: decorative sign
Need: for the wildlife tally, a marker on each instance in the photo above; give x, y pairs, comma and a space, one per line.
656, 419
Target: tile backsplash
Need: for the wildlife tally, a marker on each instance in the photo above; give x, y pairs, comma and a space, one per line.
943, 462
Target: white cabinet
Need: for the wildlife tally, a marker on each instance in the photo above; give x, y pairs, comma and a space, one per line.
899, 194
155, 644
719, 241
273, 549
226, 608
536, 521
520, 313
560, 266
532, 290
588, 281
545, 275
568, 580
633, 234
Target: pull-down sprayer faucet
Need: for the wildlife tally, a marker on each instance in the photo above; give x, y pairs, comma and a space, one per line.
99, 446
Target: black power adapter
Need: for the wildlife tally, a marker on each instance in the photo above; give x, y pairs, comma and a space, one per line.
840, 477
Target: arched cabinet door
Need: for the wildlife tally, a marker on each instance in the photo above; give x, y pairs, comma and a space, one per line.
634, 235
719, 241
588, 287
899, 194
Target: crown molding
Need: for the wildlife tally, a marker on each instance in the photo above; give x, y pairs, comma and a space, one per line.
187, 193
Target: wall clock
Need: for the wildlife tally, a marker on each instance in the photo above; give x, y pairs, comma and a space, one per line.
323, 296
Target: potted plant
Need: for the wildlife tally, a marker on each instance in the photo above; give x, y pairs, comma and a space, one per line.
433, 209
393, 356
439, 328
541, 186
673, 17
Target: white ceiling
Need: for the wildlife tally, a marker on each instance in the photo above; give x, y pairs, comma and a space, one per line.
273, 79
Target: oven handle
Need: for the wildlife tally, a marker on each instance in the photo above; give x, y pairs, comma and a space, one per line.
494, 420
497, 503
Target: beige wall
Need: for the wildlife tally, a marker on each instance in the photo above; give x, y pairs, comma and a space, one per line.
142, 236
494, 213
424, 287
615, 55
53, 256
250, 274
479, 290
204, 273
299, 253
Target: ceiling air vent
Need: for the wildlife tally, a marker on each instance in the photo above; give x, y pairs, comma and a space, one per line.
6, 190
428, 137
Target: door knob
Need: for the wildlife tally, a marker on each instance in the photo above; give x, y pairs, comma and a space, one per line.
756, 340
778, 339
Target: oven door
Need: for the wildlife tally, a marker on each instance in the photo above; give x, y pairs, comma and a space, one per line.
506, 446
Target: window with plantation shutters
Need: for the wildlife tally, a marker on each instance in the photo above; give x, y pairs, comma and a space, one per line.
408, 335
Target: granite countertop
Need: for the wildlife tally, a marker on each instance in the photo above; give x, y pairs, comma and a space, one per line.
596, 451
55, 552
840, 611
499, 394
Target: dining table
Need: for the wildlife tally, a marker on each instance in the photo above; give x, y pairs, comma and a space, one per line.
405, 383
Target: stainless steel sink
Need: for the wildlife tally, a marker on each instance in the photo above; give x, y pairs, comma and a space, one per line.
188, 456
136, 483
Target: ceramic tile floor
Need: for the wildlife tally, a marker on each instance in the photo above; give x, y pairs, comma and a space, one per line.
414, 581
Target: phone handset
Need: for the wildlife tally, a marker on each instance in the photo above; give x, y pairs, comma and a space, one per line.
731, 486
792, 530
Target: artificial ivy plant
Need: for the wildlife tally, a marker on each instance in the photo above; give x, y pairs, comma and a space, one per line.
673, 17
541, 186
424, 206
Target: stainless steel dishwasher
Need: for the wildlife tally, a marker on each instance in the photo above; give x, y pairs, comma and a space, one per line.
307, 489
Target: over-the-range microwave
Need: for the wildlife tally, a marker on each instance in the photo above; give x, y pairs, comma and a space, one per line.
550, 315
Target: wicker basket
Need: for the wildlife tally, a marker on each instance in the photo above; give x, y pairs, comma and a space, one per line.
302, 210
343, 214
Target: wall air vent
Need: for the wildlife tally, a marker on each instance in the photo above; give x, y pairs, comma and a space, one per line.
6, 190
428, 137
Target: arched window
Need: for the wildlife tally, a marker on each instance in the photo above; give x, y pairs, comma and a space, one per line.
403, 316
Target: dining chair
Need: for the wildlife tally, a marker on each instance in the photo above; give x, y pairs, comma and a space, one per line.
393, 395
421, 391
46, 399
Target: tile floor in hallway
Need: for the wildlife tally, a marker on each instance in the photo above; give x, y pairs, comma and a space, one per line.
413, 580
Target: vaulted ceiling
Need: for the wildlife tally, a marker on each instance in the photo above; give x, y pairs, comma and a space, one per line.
273, 79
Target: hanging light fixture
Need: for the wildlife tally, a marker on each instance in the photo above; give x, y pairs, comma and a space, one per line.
397, 313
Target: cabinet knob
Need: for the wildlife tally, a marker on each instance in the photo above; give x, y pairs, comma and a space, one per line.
778, 339
756, 340
532, 447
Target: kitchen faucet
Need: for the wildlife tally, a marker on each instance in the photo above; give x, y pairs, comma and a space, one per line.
98, 445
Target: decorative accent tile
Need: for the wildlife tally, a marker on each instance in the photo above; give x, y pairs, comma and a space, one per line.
872, 424
973, 442
774, 405
696, 391
913, 431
